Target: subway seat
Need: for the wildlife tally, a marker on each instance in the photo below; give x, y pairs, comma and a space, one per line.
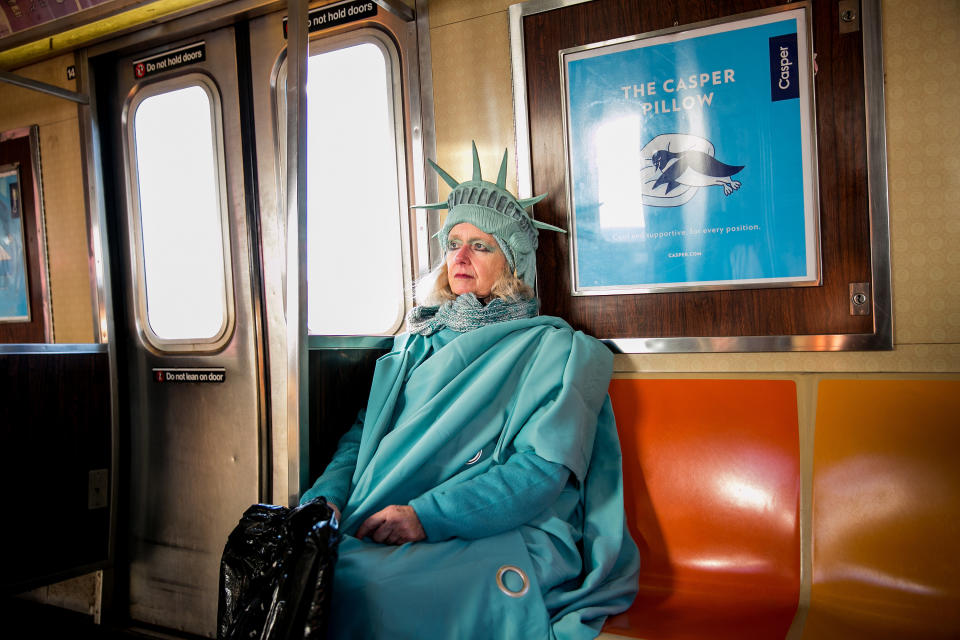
712, 493
712, 477
886, 511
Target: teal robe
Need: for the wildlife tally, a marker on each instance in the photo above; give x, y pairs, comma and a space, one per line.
444, 409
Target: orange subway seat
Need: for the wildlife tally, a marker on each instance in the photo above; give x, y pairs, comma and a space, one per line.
711, 486
886, 510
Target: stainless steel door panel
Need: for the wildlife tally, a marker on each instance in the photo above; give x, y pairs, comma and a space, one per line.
267, 51
195, 454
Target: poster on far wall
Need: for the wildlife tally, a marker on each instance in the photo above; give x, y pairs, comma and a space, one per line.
20, 15
14, 294
691, 158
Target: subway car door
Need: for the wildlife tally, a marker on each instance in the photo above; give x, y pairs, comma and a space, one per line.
191, 361
364, 155
194, 139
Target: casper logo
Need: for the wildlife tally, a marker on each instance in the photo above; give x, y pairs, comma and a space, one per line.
784, 71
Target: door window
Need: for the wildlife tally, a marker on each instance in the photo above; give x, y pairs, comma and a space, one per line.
174, 143
355, 188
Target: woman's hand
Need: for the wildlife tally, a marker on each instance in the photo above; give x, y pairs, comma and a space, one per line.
397, 524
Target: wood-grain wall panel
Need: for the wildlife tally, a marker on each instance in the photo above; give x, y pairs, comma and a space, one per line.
842, 164
55, 428
17, 151
340, 382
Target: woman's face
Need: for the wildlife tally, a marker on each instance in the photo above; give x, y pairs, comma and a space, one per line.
474, 260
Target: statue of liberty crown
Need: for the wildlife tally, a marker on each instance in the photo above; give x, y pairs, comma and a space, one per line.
494, 210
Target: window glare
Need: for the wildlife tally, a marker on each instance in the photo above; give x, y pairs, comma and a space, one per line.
354, 261
180, 215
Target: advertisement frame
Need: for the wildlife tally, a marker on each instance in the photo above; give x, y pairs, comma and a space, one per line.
12, 246
807, 143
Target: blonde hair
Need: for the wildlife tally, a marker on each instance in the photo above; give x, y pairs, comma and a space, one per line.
436, 287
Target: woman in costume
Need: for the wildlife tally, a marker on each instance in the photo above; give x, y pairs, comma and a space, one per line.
480, 489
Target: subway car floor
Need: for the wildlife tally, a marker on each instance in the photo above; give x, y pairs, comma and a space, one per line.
28, 620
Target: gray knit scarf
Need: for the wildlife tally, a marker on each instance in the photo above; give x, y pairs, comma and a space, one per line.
467, 313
